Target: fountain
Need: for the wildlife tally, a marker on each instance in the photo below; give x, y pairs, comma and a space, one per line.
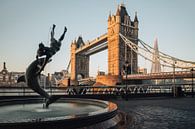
54, 112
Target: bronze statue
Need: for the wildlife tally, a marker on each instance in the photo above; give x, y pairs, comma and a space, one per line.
36, 67
49, 51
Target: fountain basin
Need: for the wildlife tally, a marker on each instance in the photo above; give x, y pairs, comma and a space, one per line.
65, 113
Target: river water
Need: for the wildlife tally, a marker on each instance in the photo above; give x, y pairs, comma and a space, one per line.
159, 113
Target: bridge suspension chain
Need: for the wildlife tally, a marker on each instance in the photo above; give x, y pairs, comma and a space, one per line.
163, 54
178, 63
147, 52
143, 52
68, 65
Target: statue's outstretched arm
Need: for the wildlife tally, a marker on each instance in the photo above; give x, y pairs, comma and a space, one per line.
52, 32
62, 36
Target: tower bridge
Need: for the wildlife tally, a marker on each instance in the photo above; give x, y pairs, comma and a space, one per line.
122, 40
117, 23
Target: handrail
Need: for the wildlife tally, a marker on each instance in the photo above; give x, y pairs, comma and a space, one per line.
98, 90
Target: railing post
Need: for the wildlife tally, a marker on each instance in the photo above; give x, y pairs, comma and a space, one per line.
49, 82
192, 70
174, 86
23, 86
126, 70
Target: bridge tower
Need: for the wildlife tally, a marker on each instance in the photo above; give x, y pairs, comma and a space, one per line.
118, 52
79, 61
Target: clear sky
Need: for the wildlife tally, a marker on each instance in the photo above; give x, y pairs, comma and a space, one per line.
26, 23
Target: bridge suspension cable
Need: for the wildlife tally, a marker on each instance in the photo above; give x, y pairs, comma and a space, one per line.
68, 65
147, 52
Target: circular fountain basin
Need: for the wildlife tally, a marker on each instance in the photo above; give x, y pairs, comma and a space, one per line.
65, 113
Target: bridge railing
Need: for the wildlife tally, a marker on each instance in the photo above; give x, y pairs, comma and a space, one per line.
98, 90
182, 74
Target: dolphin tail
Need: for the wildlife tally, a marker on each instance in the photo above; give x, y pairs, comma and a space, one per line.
21, 79
51, 100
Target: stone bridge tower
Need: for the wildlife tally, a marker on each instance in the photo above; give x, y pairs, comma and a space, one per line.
118, 52
79, 61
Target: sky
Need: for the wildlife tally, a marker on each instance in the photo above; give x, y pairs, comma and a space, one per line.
26, 23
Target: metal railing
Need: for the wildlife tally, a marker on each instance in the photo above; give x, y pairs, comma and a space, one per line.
99, 90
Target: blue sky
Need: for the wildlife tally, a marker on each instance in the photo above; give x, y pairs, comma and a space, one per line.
25, 23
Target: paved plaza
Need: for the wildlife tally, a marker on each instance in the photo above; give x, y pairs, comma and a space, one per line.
158, 113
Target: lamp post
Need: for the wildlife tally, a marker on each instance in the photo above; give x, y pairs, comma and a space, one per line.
49, 82
126, 70
174, 86
192, 70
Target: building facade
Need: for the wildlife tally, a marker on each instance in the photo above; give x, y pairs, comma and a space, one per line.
8, 78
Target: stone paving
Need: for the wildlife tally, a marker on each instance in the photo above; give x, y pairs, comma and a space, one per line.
157, 113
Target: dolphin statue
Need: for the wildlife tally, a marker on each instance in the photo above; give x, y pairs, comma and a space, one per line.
32, 80
34, 70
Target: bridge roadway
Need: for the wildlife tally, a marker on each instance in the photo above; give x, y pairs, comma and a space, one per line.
162, 75
94, 43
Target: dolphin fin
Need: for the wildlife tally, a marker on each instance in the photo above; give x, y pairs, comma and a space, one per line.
21, 79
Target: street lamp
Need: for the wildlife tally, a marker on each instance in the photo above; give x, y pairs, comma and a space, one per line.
126, 70
174, 86
192, 70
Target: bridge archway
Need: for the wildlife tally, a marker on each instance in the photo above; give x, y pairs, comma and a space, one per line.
98, 63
